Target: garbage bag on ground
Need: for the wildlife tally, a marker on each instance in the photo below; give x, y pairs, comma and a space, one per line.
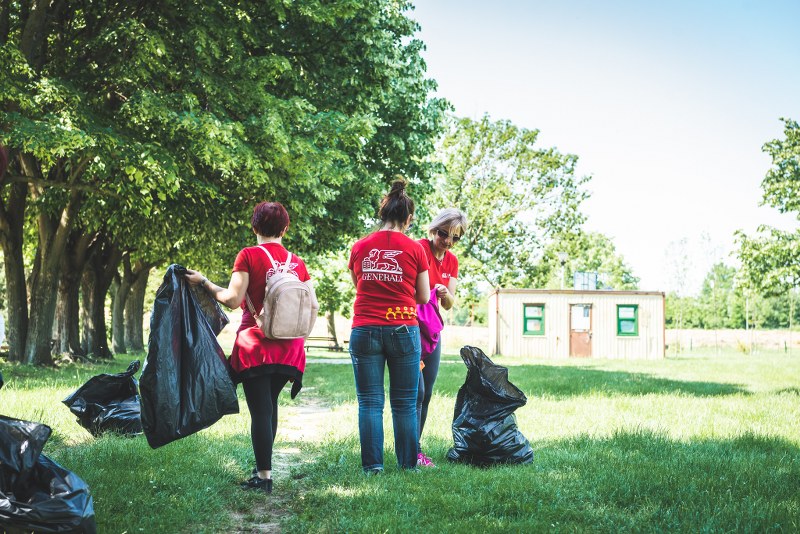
484, 426
36, 493
109, 402
185, 384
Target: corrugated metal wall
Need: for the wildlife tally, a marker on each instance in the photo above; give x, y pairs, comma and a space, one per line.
506, 323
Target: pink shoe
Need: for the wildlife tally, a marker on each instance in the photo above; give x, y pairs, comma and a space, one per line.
424, 461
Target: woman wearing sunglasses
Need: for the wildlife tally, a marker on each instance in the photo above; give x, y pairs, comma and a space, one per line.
444, 231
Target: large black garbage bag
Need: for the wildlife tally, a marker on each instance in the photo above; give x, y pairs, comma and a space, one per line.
37, 494
185, 384
484, 426
109, 402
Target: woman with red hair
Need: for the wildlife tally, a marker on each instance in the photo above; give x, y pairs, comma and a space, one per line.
262, 365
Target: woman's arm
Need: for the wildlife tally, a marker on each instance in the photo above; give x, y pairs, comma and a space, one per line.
232, 296
447, 294
423, 288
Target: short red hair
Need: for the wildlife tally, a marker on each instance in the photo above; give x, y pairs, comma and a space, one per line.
269, 219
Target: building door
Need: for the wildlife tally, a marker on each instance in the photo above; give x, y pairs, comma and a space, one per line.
580, 330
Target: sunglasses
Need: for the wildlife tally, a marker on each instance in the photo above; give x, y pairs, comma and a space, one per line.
445, 235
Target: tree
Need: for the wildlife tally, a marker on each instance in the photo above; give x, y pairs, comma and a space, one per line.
179, 114
771, 259
517, 197
588, 252
333, 286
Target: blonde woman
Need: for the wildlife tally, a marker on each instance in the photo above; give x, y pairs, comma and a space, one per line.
444, 231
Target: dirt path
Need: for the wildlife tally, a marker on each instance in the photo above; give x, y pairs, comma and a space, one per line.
305, 424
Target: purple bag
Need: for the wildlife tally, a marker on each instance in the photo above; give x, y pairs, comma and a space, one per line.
430, 324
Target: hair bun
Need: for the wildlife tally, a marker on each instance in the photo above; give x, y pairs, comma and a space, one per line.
398, 186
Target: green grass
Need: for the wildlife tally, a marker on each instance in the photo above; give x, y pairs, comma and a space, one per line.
189, 485
702, 442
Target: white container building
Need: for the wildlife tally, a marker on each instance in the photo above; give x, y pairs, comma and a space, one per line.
538, 323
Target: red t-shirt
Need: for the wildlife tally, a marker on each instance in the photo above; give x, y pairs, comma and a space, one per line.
252, 349
386, 265
440, 272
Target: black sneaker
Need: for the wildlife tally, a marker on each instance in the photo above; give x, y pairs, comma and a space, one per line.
263, 484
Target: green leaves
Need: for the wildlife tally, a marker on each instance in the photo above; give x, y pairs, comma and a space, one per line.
189, 113
782, 184
517, 197
771, 259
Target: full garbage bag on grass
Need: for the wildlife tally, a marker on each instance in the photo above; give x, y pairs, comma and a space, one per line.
109, 402
484, 426
185, 384
36, 493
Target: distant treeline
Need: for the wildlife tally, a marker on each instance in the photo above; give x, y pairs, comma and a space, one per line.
722, 303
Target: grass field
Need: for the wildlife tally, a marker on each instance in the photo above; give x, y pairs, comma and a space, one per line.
699, 443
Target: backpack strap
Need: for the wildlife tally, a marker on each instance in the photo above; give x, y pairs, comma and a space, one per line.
276, 266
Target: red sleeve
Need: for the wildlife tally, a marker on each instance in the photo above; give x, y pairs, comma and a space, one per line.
242, 262
423, 258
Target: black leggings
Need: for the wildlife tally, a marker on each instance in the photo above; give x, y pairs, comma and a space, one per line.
262, 393
427, 377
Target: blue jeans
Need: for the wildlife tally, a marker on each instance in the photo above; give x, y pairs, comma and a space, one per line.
372, 348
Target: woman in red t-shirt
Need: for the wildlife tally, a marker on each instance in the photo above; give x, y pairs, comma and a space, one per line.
390, 272
444, 231
263, 365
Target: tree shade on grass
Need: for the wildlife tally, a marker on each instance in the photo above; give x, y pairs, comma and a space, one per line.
697, 443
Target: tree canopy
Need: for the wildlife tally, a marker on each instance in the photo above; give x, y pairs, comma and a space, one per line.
156, 127
518, 198
771, 259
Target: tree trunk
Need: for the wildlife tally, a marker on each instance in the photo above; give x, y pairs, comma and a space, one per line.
5, 15
33, 36
38, 345
68, 308
118, 308
99, 273
330, 317
85, 314
53, 234
791, 316
113, 292
66, 331
12, 218
95, 340
134, 308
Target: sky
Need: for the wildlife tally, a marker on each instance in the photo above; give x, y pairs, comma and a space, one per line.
666, 104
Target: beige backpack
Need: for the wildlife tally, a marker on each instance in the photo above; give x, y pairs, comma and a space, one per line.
290, 306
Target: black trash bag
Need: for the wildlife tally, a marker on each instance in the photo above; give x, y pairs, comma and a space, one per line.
484, 426
109, 402
186, 384
37, 494
20, 445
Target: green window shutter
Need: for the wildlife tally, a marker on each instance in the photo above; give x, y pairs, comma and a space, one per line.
627, 320
533, 319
